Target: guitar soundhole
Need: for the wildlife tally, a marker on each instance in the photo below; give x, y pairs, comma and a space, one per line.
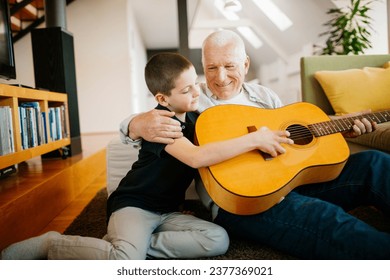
300, 134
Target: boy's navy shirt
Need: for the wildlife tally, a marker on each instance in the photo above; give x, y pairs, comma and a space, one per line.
157, 181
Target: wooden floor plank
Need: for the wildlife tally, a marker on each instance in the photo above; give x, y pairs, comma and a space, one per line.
66, 217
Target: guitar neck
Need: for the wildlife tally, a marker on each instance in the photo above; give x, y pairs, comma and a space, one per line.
346, 123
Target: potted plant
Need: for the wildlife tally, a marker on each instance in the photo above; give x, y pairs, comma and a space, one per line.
349, 29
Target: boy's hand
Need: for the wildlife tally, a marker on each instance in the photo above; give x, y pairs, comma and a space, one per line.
270, 141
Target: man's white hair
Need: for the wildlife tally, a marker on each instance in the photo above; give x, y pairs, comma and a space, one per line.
222, 38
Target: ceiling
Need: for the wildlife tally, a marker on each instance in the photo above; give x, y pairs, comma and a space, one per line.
159, 28
26, 15
158, 22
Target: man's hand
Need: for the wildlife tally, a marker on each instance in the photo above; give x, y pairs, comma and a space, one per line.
361, 126
155, 126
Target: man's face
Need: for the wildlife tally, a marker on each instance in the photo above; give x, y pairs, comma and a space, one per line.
225, 70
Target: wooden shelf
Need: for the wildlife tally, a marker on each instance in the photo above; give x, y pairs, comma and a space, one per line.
12, 96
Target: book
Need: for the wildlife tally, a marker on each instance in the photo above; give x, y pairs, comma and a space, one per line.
6, 131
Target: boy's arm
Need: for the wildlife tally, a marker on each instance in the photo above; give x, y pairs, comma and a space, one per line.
212, 153
153, 126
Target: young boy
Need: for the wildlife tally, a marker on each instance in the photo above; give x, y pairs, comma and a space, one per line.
143, 212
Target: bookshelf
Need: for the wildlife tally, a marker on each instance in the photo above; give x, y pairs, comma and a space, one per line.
20, 148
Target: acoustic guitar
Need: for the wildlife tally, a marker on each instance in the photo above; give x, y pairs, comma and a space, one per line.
254, 182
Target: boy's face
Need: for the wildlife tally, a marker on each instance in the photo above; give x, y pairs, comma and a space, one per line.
185, 95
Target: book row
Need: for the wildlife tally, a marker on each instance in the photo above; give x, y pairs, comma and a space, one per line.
37, 127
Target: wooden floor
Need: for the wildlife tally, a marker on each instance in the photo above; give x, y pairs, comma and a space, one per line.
61, 222
48, 194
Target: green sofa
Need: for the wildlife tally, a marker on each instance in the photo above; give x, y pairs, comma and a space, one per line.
312, 92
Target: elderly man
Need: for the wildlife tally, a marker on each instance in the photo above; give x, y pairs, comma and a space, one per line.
312, 221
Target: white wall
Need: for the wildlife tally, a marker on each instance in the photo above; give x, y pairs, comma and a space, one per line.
108, 54
110, 58
24, 62
284, 77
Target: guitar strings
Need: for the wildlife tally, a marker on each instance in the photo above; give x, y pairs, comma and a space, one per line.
300, 132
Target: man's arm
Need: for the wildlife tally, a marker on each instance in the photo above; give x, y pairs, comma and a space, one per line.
153, 126
124, 133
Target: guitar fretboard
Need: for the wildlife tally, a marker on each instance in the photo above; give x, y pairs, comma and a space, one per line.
345, 124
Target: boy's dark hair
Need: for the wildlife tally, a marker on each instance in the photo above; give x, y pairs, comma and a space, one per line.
162, 70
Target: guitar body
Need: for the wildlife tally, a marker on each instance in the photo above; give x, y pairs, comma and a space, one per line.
250, 184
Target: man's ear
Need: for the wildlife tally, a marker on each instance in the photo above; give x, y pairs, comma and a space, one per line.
247, 64
161, 99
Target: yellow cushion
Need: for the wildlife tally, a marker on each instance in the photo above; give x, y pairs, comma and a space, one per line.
355, 90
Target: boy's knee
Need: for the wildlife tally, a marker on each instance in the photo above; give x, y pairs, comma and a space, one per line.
126, 251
